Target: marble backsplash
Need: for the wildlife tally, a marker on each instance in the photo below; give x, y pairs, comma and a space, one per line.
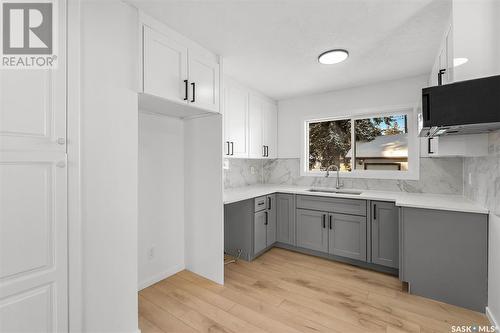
484, 187
443, 175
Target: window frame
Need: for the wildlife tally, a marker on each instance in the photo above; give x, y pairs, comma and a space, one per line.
413, 144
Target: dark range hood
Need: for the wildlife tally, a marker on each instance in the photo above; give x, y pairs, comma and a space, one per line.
466, 107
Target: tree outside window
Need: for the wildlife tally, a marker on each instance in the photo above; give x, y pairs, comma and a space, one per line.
381, 143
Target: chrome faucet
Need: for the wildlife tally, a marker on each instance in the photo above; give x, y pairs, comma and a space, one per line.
338, 184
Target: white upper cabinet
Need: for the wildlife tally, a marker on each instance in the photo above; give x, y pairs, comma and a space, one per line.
471, 145
203, 82
250, 126
177, 69
164, 66
472, 34
255, 130
235, 120
270, 129
444, 61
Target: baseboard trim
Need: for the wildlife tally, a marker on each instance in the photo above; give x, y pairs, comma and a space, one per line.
492, 318
161, 276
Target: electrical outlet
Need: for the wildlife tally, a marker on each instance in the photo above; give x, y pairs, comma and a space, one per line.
152, 252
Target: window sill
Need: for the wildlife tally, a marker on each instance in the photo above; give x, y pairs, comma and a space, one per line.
373, 174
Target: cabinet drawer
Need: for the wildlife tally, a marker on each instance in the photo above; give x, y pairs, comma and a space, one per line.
334, 205
260, 203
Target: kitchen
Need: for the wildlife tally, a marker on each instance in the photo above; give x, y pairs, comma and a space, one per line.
255, 166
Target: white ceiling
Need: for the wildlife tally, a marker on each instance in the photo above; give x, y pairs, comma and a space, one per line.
272, 45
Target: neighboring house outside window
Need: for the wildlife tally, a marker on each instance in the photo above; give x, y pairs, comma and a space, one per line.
373, 145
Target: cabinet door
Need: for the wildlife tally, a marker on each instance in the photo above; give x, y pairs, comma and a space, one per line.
164, 66
236, 120
203, 82
384, 233
311, 230
347, 236
260, 231
255, 147
270, 128
285, 219
271, 220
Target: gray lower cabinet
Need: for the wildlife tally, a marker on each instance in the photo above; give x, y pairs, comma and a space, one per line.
260, 231
384, 234
347, 236
285, 220
312, 232
264, 232
444, 255
239, 228
250, 226
271, 220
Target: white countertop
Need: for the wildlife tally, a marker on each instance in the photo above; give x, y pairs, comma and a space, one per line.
403, 199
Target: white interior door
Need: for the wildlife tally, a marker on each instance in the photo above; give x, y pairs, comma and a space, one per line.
203, 82
32, 117
164, 66
33, 243
33, 197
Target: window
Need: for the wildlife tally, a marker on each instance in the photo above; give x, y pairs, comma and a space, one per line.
381, 143
376, 145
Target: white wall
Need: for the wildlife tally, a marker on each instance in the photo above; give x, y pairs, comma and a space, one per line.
484, 188
161, 197
203, 197
494, 267
476, 37
109, 166
293, 112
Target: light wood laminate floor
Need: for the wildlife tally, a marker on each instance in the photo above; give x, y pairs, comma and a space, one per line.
284, 291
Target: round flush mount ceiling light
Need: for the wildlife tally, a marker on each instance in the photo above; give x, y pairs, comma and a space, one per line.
459, 61
333, 56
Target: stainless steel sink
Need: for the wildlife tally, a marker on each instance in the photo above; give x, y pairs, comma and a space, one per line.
333, 190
